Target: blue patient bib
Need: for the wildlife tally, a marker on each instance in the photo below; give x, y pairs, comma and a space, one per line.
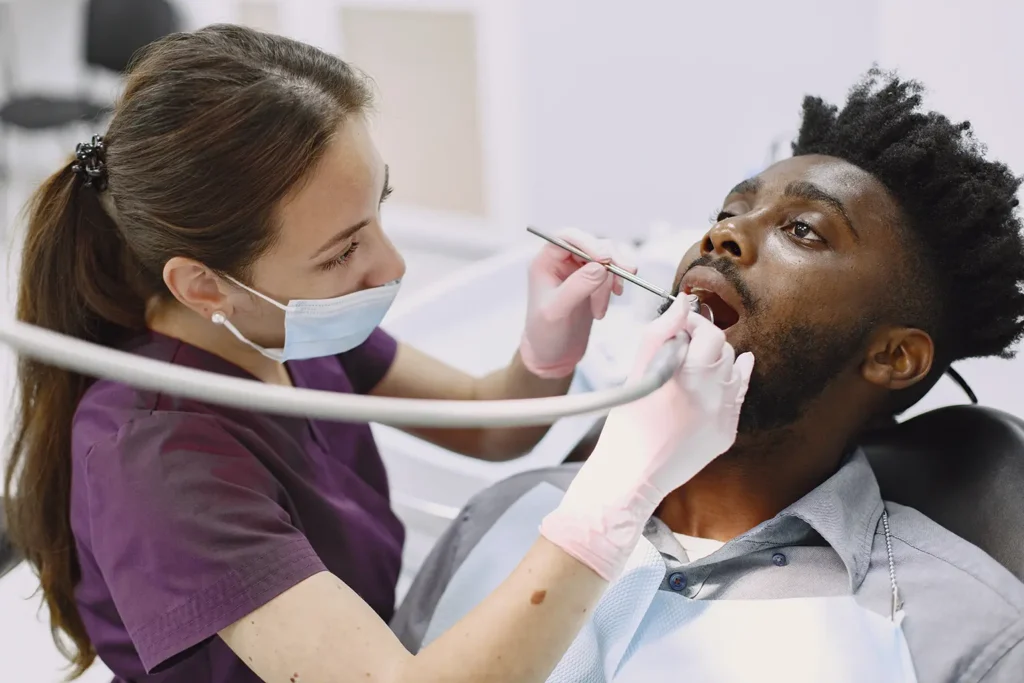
639, 633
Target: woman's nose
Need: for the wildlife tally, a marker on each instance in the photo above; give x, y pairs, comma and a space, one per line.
390, 265
729, 238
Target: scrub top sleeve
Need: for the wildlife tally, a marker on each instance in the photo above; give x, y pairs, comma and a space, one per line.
188, 531
367, 364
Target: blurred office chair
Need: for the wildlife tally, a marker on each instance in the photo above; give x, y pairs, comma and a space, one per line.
114, 31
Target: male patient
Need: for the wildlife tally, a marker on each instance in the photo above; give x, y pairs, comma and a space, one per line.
856, 271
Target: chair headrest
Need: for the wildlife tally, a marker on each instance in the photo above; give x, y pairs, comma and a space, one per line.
117, 29
963, 467
8, 557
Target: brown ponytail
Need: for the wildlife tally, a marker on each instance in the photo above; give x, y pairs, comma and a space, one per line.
71, 282
214, 129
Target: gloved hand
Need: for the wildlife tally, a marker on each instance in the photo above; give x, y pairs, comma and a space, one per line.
654, 445
565, 296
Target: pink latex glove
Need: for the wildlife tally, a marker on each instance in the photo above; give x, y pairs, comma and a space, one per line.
654, 445
565, 296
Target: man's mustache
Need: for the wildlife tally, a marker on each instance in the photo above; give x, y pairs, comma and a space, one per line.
730, 272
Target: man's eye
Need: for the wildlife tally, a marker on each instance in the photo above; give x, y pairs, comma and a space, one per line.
803, 231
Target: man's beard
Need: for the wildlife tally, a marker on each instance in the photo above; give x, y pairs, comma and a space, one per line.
792, 364
792, 367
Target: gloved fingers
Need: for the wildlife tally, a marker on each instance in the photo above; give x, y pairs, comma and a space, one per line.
742, 370
576, 289
598, 249
601, 298
708, 342
712, 381
723, 368
554, 262
622, 257
670, 324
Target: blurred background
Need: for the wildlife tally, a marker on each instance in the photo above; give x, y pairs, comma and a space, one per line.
626, 119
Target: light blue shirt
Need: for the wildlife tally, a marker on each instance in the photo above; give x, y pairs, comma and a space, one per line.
964, 612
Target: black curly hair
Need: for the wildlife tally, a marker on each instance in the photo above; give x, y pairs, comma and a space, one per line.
964, 280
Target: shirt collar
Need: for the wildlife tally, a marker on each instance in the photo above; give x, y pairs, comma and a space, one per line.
844, 510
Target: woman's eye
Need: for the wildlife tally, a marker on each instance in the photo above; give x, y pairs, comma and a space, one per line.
342, 258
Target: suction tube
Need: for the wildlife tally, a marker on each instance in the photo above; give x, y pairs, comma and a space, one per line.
99, 361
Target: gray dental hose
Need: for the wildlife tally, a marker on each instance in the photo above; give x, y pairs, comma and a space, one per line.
99, 361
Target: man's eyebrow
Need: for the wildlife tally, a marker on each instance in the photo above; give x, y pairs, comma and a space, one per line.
748, 186
348, 232
801, 189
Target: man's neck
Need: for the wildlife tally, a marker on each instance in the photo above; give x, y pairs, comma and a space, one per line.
757, 478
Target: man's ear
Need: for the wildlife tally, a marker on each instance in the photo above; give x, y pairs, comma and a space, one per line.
195, 286
898, 357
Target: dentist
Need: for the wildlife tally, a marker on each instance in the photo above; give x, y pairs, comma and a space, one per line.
229, 222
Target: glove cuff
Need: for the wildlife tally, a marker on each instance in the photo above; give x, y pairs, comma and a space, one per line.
544, 371
600, 532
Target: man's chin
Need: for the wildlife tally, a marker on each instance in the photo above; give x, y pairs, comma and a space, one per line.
739, 340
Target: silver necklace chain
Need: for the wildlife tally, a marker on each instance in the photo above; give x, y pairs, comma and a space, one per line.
897, 603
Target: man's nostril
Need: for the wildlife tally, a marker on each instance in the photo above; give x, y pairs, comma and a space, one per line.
732, 248
708, 245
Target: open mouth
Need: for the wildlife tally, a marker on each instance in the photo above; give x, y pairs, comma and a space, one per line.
722, 314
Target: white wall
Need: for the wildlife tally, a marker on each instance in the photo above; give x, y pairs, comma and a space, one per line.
653, 109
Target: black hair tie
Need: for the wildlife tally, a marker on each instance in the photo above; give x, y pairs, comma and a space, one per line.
90, 164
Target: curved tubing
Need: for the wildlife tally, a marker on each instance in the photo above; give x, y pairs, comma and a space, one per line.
145, 373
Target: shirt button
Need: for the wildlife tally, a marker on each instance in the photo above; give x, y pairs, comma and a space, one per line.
779, 560
677, 581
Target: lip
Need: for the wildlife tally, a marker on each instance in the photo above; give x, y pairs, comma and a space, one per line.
703, 277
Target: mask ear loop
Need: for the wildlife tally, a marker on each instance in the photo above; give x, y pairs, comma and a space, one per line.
218, 318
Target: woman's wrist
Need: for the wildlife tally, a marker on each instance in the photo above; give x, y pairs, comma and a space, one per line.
599, 524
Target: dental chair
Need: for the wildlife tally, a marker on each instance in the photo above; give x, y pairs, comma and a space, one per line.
8, 558
962, 466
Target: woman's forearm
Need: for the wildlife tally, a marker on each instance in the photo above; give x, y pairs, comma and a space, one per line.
521, 631
514, 381
415, 374
320, 630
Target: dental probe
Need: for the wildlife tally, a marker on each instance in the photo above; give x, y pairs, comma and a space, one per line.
612, 268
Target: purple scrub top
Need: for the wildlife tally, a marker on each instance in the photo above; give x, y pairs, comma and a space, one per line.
189, 516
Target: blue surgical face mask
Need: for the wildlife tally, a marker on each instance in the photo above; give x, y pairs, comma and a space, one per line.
316, 328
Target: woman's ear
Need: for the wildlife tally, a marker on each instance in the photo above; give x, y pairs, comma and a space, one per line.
194, 286
898, 358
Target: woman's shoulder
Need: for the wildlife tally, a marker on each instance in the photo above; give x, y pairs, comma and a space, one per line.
118, 414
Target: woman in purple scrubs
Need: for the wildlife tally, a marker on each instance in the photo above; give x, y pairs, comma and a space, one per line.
229, 222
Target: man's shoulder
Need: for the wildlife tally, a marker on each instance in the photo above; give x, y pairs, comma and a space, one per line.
939, 559
964, 611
